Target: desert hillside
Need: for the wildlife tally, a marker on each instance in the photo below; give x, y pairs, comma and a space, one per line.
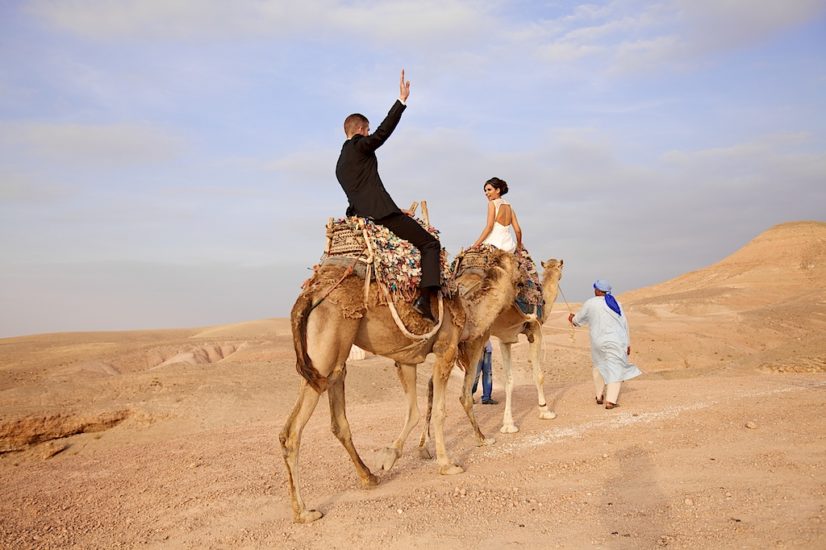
169, 438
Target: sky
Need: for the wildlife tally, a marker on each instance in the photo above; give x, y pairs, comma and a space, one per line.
171, 163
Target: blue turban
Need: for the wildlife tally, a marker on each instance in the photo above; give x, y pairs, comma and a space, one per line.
610, 301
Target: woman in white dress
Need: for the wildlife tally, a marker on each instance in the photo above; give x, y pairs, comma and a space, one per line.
501, 221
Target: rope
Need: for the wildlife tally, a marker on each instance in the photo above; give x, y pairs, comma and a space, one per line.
401, 326
347, 273
573, 328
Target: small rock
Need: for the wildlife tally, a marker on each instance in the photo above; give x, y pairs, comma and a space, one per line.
399, 511
689, 502
605, 455
751, 425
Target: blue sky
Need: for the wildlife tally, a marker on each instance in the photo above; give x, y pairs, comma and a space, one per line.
171, 164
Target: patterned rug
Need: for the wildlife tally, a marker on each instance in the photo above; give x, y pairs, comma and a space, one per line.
398, 263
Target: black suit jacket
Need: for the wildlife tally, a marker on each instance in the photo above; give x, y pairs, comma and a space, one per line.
357, 170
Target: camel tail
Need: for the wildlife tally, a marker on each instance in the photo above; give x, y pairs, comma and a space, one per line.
303, 364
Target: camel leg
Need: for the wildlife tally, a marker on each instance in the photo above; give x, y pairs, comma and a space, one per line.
535, 351
474, 354
341, 427
407, 376
441, 372
508, 427
425, 438
290, 438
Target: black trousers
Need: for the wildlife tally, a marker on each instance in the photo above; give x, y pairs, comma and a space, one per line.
409, 229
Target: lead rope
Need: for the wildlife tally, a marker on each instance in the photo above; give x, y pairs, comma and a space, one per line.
572, 334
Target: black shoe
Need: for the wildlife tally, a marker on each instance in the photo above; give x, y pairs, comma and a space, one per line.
422, 307
490, 402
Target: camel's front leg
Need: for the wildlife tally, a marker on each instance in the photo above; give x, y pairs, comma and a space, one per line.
341, 427
469, 357
535, 351
441, 372
290, 438
407, 376
508, 427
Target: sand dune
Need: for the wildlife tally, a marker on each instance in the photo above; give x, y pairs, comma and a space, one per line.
169, 438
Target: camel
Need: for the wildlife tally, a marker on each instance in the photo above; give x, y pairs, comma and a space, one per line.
508, 325
507, 328
332, 314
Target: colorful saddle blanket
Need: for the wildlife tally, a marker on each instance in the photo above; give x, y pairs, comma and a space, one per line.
529, 299
397, 263
529, 295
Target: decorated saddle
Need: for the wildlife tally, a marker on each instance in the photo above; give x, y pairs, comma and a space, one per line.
529, 297
395, 263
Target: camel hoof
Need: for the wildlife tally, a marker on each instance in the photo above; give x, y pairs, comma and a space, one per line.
509, 429
370, 481
424, 453
487, 442
308, 516
547, 415
387, 458
450, 470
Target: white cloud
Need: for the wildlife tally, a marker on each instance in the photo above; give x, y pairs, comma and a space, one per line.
16, 188
639, 37
113, 144
398, 21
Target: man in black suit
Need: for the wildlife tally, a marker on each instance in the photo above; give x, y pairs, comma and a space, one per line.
357, 171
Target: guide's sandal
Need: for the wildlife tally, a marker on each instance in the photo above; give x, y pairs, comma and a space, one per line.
600, 399
610, 405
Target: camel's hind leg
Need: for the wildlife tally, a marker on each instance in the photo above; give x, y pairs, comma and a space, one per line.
341, 427
535, 351
407, 377
290, 442
508, 426
425, 438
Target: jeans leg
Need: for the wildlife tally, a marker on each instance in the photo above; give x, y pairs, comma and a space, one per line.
487, 376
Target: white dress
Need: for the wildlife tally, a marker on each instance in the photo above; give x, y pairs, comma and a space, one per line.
501, 236
609, 340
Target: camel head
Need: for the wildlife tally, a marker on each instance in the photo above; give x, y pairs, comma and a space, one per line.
551, 275
552, 270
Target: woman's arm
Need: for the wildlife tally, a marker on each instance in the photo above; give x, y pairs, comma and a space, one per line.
488, 225
516, 229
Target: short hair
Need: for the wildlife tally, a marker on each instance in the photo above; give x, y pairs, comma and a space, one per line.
499, 184
354, 122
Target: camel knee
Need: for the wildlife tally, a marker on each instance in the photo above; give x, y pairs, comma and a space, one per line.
342, 433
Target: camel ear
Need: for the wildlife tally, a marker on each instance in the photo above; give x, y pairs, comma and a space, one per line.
561, 263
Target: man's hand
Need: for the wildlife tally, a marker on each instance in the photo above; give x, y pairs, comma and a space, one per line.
404, 88
628, 351
571, 318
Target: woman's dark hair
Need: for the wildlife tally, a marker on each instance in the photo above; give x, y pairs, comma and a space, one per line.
499, 184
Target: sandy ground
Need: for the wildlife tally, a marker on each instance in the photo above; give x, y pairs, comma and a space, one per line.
169, 438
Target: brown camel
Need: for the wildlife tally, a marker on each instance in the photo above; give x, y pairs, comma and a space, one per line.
327, 323
509, 324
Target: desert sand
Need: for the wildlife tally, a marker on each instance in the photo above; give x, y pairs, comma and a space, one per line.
169, 438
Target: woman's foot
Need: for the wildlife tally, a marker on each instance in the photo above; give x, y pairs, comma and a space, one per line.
600, 399
610, 405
